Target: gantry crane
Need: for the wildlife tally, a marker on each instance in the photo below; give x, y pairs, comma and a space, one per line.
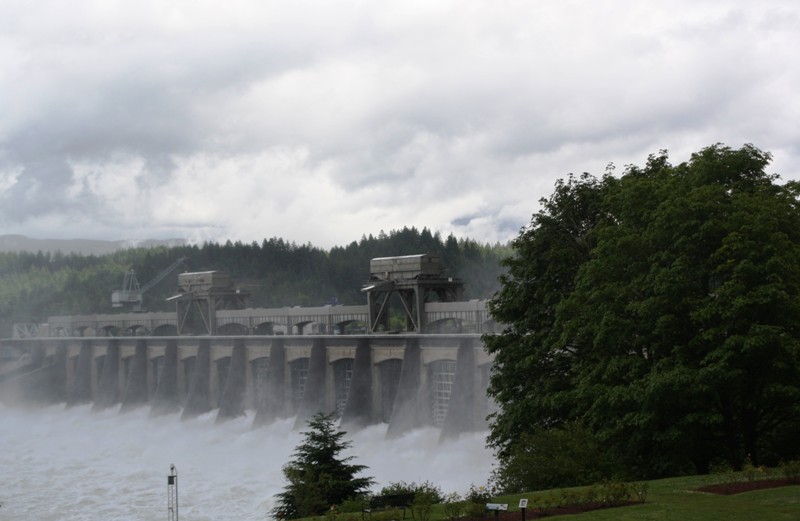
131, 292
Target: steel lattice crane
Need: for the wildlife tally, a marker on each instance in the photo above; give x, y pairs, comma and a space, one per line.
131, 292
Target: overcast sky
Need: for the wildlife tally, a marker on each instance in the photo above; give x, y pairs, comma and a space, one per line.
322, 121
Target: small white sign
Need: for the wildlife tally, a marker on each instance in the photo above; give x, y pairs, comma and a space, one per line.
496, 506
523, 503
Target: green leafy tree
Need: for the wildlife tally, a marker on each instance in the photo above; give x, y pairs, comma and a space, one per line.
319, 477
548, 458
672, 336
531, 380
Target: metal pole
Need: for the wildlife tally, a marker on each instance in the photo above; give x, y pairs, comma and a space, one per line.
172, 494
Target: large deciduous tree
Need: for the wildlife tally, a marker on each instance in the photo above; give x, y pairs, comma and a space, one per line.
660, 311
319, 477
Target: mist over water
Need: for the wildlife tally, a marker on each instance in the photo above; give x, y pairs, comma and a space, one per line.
58, 463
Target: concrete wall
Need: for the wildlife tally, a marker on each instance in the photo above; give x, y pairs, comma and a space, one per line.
366, 379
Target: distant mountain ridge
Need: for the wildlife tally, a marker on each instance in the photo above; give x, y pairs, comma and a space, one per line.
20, 243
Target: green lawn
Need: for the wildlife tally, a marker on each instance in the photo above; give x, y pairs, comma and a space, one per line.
670, 499
673, 500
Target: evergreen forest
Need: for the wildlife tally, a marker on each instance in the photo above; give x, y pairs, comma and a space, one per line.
278, 273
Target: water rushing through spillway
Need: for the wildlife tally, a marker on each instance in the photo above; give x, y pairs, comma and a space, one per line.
59, 464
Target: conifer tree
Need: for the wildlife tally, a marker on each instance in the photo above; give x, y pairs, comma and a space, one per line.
318, 477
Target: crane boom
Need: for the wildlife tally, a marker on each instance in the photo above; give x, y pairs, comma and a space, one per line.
158, 278
131, 292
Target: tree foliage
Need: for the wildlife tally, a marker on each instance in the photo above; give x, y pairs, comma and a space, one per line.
658, 310
546, 458
318, 477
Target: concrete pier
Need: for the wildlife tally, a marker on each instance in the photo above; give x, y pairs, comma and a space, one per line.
406, 380
232, 403
108, 387
166, 399
199, 395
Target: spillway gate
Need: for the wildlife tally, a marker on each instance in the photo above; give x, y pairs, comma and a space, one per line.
407, 380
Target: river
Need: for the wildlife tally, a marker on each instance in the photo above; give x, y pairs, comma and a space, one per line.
72, 464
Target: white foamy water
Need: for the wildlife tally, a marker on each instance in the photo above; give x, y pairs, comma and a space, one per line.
72, 464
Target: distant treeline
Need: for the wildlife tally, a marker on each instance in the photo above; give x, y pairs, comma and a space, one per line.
278, 273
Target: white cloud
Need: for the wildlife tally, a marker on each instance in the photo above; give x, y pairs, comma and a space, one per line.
322, 121
8, 179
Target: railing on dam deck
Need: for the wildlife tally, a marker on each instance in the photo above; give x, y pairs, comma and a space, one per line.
441, 318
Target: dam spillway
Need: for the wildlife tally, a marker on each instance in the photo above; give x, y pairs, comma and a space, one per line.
406, 380
423, 365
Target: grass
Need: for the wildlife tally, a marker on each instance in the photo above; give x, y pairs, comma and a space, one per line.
673, 499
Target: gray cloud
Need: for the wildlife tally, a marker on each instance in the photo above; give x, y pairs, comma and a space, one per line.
324, 121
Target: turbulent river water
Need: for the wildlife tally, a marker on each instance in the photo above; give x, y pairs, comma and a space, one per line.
72, 464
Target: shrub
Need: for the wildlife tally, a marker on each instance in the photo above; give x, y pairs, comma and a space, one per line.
422, 505
570, 497
640, 490
725, 474
401, 487
545, 502
479, 494
590, 494
550, 458
751, 472
477, 497
353, 505
454, 506
614, 492
790, 469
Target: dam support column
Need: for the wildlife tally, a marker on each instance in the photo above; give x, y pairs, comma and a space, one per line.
44, 380
409, 408
166, 399
197, 401
37, 356
58, 382
273, 404
108, 388
34, 382
314, 394
231, 403
358, 410
461, 407
136, 388
80, 389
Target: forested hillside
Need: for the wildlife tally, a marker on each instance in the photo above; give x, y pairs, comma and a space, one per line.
34, 286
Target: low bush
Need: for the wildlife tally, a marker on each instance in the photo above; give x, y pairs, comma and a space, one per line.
454, 507
790, 469
476, 498
560, 457
401, 487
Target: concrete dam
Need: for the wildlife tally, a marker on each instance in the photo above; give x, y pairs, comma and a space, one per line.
276, 363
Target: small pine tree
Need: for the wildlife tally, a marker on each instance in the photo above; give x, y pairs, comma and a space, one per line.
318, 477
